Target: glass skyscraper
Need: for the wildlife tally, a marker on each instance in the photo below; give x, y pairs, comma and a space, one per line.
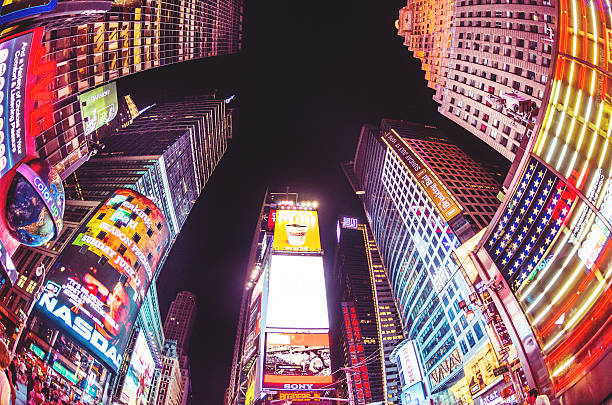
424, 197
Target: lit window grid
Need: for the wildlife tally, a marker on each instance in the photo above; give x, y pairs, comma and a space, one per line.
99, 52
404, 189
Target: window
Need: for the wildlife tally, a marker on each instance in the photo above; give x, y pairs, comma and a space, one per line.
101, 235
136, 237
478, 331
470, 339
122, 249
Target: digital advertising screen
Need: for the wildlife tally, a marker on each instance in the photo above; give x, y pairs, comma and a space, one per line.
14, 60
479, 370
254, 321
297, 361
296, 231
99, 281
98, 106
139, 374
296, 293
11, 10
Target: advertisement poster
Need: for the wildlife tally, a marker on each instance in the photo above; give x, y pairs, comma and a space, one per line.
409, 364
11, 10
98, 106
98, 283
14, 57
297, 361
479, 370
296, 231
139, 375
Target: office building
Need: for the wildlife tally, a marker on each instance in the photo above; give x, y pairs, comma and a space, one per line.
494, 71
170, 387
167, 153
364, 282
180, 319
91, 47
423, 197
546, 253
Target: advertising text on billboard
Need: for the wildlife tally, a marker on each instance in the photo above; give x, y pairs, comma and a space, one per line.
427, 179
409, 364
99, 281
98, 106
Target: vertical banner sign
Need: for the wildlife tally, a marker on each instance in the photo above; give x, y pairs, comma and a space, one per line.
99, 281
361, 379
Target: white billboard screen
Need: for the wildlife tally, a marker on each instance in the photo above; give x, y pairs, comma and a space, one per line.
297, 297
409, 364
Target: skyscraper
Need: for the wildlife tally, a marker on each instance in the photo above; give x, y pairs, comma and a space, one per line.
168, 153
494, 58
180, 319
423, 197
369, 309
132, 36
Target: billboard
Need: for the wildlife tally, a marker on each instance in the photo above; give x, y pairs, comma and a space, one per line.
14, 60
296, 293
296, 231
11, 10
254, 320
99, 281
409, 364
139, 374
479, 369
427, 179
297, 361
98, 106
361, 378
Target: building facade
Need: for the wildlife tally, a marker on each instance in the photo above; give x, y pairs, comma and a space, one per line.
90, 49
547, 249
423, 197
170, 384
497, 67
180, 319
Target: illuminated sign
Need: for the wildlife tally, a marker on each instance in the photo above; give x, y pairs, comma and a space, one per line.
139, 374
297, 361
424, 176
409, 364
479, 370
350, 223
271, 219
38, 351
99, 281
446, 368
63, 371
296, 231
296, 293
98, 106
361, 379
11, 10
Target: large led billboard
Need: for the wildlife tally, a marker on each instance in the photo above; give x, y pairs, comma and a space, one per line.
98, 106
479, 370
297, 361
296, 293
296, 231
139, 374
99, 281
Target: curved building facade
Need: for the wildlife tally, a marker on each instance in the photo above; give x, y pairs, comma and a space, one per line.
548, 248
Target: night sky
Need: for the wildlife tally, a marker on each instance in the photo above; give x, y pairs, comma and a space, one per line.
307, 79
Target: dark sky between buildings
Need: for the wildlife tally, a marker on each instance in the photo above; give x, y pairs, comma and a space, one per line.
310, 74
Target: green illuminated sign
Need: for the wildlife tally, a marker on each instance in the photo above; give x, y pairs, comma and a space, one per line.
98, 106
37, 351
60, 368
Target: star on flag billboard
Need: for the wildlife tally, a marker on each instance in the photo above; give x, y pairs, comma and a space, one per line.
99, 281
